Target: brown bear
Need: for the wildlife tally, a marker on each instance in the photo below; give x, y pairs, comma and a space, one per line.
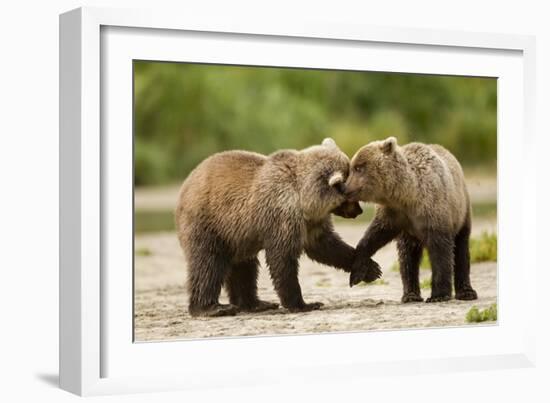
236, 203
422, 201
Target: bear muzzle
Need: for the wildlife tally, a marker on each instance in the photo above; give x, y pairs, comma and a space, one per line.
352, 195
348, 209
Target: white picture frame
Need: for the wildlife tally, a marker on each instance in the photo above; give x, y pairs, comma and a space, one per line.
97, 353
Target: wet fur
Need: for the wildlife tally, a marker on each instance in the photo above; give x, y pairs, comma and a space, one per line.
422, 201
236, 203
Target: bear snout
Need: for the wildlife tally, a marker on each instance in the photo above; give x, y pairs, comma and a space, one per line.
340, 188
354, 209
352, 195
348, 210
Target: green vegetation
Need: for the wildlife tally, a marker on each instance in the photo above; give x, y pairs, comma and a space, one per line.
186, 112
484, 209
323, 283
426, 283
424, 263
143, 251
154, 221
379, 281
484, 248
474, 315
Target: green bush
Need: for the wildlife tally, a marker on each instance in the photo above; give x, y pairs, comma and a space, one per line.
185, 112
424, 263
426, 283
474, 315
484, 248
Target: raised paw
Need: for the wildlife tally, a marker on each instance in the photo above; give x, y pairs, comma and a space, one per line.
411, 297
313, 306
440, 298
215, 310
260, 306
467, 294
366, 271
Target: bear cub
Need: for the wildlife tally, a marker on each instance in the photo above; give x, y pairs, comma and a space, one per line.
422, 201
236, 203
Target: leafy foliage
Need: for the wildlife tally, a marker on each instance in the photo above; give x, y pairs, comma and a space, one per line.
424, 263
484, 248
426, 283
185, 112
474, 315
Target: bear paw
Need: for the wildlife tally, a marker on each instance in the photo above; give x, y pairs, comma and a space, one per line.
313, 306
214, 310
366, 271
260, 306
439, 298
411, 297
467, 294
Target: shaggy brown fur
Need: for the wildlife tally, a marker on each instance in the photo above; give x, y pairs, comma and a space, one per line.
423, 202
236, 203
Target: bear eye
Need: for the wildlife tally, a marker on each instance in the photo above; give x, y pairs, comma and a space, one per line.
359, 168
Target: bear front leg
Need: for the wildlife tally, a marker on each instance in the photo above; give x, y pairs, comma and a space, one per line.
380, 232
283, 268
463, 288
242, 287
440, 247
325, 246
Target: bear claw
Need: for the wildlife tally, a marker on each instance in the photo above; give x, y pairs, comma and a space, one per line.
367, 272
260, 306
313, 306
411, 297
466, 295
441, 298
215, 310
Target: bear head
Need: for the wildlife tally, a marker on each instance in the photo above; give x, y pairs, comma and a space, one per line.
377, 172
322, 173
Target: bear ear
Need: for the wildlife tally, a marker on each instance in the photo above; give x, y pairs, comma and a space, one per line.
328, 142
336, 178
389, 145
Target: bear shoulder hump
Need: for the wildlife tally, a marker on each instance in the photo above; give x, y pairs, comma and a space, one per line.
284, 161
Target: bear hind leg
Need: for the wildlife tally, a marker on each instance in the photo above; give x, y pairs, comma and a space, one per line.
410, 252
207, 272
242, 286
463, 288
440, 247
283, 269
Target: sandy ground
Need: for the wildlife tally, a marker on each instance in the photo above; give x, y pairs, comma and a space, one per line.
161, 297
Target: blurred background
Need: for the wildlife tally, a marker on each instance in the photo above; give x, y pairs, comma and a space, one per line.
186, 112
